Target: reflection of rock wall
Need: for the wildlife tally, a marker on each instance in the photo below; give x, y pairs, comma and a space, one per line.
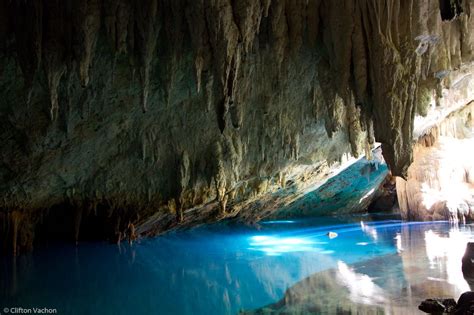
440, 183
428, 264
432, 261
329, 293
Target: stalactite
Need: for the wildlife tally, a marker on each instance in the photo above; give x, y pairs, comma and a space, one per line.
279, 29
248, 15
174, 28
147, 28
295, 147
221, 113
53, 50
172, 206
277, 71
312, 17
229, 101
265, 6
184, 178
220, 179
359, 62
28, 27
68, 106
144, 148
236, 151
295, 11
197, 24
437, 171
223, 38
110, 9
467, 25
118, 18
356, 137
338, 27
87, 24
122, 25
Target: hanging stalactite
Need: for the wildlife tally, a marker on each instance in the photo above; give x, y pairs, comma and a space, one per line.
280, 85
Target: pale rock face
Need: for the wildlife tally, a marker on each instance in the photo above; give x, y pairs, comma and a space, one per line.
153, 112
439, 184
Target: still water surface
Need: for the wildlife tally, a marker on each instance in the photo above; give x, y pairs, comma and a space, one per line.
228, 269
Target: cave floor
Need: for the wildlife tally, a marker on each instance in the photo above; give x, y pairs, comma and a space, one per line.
371, 266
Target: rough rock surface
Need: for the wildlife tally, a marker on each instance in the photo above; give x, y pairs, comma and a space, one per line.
349, 191
440, 184
387, 200
119, 114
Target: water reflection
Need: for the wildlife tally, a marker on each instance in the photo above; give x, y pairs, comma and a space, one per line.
361, 287
372, 232
445, 254
427, 263
383, 266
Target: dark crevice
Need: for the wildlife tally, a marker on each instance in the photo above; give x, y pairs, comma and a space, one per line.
86, 224
450, 9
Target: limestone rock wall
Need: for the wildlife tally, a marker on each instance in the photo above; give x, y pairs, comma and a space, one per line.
124, 117
348, 190
440, 183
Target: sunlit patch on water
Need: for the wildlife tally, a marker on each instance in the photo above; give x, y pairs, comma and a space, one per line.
279, 222
274, 245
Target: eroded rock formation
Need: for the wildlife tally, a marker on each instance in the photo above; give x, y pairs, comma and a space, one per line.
440, 184
125, 112
349, 190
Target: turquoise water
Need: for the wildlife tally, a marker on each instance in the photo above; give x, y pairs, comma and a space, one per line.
220, 269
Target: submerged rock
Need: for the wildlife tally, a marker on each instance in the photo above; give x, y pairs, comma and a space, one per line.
468, 263
437, 306
464, 306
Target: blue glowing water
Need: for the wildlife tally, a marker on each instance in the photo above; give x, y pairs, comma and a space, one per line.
207, 270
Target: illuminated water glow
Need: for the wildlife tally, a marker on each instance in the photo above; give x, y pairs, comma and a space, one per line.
273, 245
217, 270
278, 222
